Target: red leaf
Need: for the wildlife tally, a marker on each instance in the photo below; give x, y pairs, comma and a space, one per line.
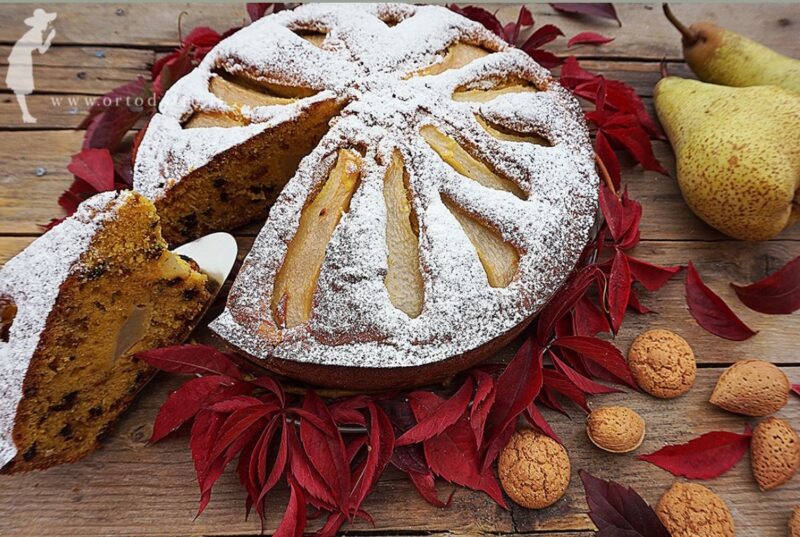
705, 457
170, 69
543, 35
589, 320
326, 452
381, 445
512, 29
294, 518
481, 404
202, 39
545, 58
426, 487
445, 416
585, 384
517, 386
306, 475
613, 210
605, 11
589, 38
619, 290
95, 167
635, 305
711, 312
636, 142
563, 301
777, 294
205, 428
606, 154
619, 511
186, 401
537, 420
191, 360
115, 113
601, 352
481, 16
557, 382
652, 277
453, 455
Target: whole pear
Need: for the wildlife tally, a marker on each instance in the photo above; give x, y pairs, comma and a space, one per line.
724, 57
738, 153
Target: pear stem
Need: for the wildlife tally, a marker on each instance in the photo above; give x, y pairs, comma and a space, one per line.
604, 173
690, 37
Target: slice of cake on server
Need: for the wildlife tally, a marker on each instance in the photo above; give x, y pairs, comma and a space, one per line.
75, 306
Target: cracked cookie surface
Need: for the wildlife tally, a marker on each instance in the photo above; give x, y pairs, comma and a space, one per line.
534, 469
663, 363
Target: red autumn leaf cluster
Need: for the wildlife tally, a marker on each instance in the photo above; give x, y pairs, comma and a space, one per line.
620, 119
619, 511
777, 294
705, 457
273, 438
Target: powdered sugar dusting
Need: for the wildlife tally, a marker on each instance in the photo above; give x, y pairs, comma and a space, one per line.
366, 63
33, 279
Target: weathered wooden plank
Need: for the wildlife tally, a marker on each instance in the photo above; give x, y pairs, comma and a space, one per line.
58, 111
78, 79
645, 33
112, 57
27, 200
719, 262
129, 488
33, 176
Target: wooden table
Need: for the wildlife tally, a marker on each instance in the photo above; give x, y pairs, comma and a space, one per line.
130, 488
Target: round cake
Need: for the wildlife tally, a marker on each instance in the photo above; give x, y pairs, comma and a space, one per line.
426, 188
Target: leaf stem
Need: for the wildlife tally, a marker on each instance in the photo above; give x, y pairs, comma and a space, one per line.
604, 174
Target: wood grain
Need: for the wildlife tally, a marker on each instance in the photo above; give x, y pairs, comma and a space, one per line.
129, 488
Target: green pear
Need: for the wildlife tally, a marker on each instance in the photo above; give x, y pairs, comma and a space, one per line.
738, 153
724, 57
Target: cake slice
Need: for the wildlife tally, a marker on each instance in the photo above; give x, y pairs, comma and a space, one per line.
75, 306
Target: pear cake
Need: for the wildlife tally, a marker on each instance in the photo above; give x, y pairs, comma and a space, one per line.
75, 306
426, 188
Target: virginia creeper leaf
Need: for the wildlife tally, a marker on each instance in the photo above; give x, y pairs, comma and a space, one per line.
777, 294
711, 312
705, 457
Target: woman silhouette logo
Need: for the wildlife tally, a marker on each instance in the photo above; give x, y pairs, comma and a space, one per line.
19, 78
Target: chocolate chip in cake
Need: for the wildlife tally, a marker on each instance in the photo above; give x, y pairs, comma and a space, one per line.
219, 182
29, 453
96, 411
95, 272
224, 196
67, 402
66, 431
189, 294
30, 391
